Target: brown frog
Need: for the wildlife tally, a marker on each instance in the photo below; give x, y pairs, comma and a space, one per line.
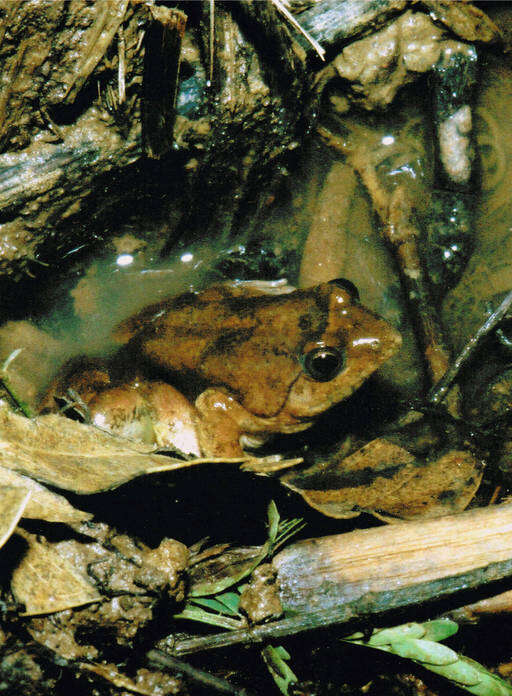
248, 364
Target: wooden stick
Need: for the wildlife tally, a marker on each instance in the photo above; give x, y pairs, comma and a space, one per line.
348, 577
402, 234
163, 659
440, 390
161, 71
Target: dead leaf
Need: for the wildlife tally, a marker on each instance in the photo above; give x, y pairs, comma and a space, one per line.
12, 503
220, 564
42, 504
45, 582
146, 682
386, 480
77, 457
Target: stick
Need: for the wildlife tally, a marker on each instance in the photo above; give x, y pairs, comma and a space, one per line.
370, 604
402, 234
440, 390
163, 659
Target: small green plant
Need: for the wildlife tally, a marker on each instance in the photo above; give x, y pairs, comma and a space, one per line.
210, 603
420, 643
276, 660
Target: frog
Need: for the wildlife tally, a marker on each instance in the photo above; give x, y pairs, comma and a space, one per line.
223, 370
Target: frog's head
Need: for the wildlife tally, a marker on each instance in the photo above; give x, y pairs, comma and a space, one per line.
352, 343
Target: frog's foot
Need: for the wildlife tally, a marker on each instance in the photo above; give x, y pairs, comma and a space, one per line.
225, 426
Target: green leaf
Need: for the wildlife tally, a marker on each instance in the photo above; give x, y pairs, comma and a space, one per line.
211, 603
276, 530
230, 600
462, 671
389, 635
197, 614
276, 661
425, 651
439, 629
273, 523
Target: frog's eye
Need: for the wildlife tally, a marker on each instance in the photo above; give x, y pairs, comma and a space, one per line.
348, 285
323, 364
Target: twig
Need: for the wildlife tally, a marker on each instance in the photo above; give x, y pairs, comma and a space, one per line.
5, 383
401, 233
121, 66
369, 604
212, 38
440, 390
162, 659
280, 7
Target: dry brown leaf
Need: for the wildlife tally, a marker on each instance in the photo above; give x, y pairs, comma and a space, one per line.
74, 456
386, 480
146, 682
12, 503
45, 582
43, 504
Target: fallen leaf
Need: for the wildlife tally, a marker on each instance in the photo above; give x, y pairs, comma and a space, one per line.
388, 481
45, 582
78, 457
12, 503
42, 504
145, 682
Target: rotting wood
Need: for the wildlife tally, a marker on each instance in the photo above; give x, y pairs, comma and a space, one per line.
319, 573
349, 577
162, 42
333, 23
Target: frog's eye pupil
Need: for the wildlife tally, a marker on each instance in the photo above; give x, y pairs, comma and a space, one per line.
323, 364
348, 285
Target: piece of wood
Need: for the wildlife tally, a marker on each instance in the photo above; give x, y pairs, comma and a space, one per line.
348, 577
162, 43
333, 23
319, 573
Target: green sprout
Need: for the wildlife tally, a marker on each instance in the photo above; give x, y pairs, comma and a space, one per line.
420, 643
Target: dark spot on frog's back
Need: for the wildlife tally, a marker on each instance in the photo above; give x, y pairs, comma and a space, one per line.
229, 341
188, 299
306, 324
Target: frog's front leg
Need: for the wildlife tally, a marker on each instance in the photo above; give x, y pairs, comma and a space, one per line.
225, 426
